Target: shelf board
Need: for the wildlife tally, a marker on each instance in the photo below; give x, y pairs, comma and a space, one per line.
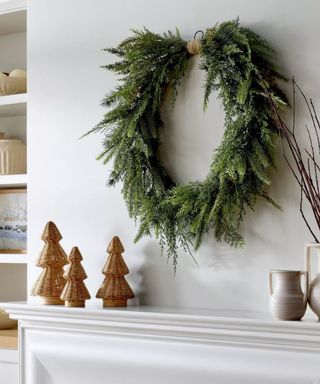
13, 105
19, 98
9, 338
13, 258
13, 17
13, 181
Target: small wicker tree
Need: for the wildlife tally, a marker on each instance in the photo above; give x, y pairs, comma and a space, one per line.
75, 292
115, 291
52, 259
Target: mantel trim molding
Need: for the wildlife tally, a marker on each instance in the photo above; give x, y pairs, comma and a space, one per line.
197, 327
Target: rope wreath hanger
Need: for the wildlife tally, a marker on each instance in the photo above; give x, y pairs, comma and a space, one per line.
239, 65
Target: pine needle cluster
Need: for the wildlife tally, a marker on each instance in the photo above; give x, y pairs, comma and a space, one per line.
239, 65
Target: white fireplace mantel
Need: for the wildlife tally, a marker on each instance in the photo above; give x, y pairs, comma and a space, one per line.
157, 345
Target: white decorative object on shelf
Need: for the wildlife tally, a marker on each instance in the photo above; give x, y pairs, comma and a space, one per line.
13, 156
314, 284
18, 73
16, 82
12, 85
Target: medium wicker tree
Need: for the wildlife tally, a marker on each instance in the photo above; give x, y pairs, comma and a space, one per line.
115, 291
52, 259
75, 292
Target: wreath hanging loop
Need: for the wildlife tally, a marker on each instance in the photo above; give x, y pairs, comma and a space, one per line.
197, 33
194, 46
239, 65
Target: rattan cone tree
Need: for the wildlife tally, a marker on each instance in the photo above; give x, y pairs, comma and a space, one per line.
52, 259
115, 291
75, 292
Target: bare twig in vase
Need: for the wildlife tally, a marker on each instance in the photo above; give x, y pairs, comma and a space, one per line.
304, 164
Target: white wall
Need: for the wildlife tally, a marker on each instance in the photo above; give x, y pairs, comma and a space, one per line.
67, 184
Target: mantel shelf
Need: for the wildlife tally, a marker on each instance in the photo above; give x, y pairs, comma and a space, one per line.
231, 327
163, 345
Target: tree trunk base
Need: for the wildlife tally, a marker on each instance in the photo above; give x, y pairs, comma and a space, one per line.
114, 302
75, 303
52, 301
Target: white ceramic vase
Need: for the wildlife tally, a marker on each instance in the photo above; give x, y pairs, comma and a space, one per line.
314, 286
287, 301
16, 82
13, 157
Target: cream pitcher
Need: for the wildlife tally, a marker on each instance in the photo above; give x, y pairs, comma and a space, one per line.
287, 301
314, 286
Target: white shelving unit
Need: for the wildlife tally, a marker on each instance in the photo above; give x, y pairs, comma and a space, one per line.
13, 116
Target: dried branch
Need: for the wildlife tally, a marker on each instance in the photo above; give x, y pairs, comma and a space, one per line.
305, 169
310, 112
315, 114
313, 158
304, 217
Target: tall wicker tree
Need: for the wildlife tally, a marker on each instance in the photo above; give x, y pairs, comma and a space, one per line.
52, 259
115, 291
75, 292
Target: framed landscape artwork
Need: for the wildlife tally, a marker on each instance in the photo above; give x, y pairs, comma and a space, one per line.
13, 221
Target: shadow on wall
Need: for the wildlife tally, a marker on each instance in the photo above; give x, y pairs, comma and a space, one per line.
226, 277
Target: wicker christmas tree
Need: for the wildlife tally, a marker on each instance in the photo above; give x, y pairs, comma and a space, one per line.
75, 292
52, 259
115, 291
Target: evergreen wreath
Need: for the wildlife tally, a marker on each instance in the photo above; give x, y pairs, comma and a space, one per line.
239, 65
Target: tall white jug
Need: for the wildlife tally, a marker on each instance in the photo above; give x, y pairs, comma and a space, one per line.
314, 285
